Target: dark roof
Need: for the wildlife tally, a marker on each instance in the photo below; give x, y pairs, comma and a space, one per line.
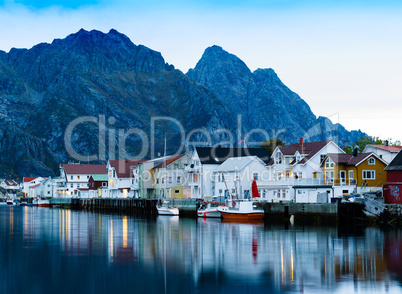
307, 148
123, 167
11, 183
168, 161
84, 169
348, 159
217, 155
396, 163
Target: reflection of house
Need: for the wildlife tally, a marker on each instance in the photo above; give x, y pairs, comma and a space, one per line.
393, 188
74, 177
205, 160
363, 171
123, 180
237, 175
385, 152
170, 177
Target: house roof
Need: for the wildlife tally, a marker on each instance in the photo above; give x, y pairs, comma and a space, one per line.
396, 163
84, 169
306, 148
168, 161
30, 179
99, 178
348, 159
123, 167
387, 148
217, 155
237, 163
11, 183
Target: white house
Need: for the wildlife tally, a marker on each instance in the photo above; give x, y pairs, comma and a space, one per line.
28, 182
74, 177
11, 187
298, 166
123, 178
204, 162
385, 152
146, 176
43, 189
233, 178
170, 178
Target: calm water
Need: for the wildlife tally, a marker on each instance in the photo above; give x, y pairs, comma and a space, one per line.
46, 250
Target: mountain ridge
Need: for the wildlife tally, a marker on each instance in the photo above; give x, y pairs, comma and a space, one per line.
90, 73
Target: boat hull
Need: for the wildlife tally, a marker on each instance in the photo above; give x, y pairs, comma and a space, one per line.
168, 210
242, 216
209, 213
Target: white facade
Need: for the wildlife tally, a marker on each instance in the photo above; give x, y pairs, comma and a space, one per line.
123, 179
28, 183
43, 189
234, 177
201, 178
386, 153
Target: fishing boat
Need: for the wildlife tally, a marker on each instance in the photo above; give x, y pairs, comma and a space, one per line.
166, 209
41, 202
209, 209
243, 209
11, 201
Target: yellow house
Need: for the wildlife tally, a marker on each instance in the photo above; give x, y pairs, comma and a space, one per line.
363, 170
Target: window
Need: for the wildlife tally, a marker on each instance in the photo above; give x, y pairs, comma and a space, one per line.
114, 173
78, 177
48, 192
87, 177
176, 166
329, 176
178, 180
72, 185
176, 191
157, 180
369, 175
220, 191
195, 178
78, 185
371, 161
329, 163
103, 184
322, 157
71, 177
170, 180
255, 176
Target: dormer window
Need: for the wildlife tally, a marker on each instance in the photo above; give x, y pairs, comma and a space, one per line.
371, 161
329, 163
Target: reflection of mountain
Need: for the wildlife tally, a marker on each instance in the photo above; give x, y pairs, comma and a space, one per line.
191, 256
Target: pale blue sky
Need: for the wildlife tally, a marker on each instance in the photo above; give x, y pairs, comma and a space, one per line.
342, 57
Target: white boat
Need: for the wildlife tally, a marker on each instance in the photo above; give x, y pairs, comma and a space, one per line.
11, 201
209, 209
166, 209
41, 202
242, 211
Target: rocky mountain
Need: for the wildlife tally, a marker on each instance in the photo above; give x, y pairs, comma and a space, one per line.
85, 93
262, 100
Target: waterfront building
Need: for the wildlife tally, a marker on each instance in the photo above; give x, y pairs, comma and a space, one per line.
75, 176
205, 160
43, 188
29, 182
392, 191
233, 178
147, 178
10, 187
170, 178
385, 152
123, 178
354, 172
98, 186
296, 173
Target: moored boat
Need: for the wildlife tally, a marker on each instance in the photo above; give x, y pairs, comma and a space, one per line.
209, 209
241, 210
41, 202
166, 209
10, 201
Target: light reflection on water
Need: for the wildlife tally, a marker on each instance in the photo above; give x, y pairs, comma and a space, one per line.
70, 251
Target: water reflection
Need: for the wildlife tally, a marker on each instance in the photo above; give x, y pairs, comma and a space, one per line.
101, 253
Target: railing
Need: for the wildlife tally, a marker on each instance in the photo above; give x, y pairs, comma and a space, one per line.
294, 182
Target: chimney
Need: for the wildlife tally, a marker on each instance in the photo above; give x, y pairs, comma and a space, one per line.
301, 141
346, 144
386, 142
355, 152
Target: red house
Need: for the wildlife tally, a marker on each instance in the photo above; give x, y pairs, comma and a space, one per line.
393, 188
